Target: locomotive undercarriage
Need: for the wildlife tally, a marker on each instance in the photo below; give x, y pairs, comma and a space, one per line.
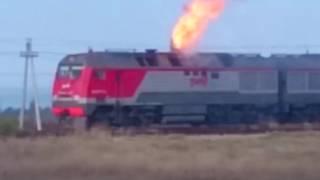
303, 113
124, 116
215, 115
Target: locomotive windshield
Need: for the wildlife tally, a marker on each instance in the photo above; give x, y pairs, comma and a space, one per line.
69, 71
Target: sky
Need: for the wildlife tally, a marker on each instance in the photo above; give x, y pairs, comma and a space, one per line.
59, 27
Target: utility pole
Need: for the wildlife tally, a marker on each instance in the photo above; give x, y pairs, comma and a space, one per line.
29, 55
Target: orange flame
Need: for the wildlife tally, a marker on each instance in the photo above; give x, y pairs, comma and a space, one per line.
194, 22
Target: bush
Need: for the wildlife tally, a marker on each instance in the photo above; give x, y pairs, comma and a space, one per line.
8, 127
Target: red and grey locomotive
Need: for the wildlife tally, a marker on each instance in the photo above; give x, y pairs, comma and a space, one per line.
138, 88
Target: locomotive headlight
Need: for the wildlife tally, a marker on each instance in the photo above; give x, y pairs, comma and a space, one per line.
76, 97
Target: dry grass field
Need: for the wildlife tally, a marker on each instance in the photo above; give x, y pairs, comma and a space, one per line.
283, 156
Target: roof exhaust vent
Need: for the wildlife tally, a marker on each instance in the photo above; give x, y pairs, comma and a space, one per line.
151, 57
90, 50
174, 60
140, 61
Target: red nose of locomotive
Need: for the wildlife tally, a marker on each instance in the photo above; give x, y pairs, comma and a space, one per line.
66, 94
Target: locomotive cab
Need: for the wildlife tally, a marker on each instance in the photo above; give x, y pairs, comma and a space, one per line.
67, 89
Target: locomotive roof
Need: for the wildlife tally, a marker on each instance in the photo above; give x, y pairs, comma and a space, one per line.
166, 59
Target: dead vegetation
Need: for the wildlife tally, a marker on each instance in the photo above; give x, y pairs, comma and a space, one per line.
283, 156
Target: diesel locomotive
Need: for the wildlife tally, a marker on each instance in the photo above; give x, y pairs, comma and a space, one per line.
143, 88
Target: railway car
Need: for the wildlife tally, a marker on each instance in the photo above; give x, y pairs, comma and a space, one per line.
143, 88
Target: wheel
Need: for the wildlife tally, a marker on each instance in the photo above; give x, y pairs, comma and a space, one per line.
138, 117
215, 116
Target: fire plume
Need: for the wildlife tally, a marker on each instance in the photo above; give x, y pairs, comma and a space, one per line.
194, 22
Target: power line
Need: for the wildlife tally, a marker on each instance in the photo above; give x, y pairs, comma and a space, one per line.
8, 53
253, 47
82, 42
53, 53
44, 53
20, 74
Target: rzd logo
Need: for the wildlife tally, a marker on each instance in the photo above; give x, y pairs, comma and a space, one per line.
199, 82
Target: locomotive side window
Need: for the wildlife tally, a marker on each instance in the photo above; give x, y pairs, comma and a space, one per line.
75, 72
99, 74
63, 72
214, 75
187, 73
